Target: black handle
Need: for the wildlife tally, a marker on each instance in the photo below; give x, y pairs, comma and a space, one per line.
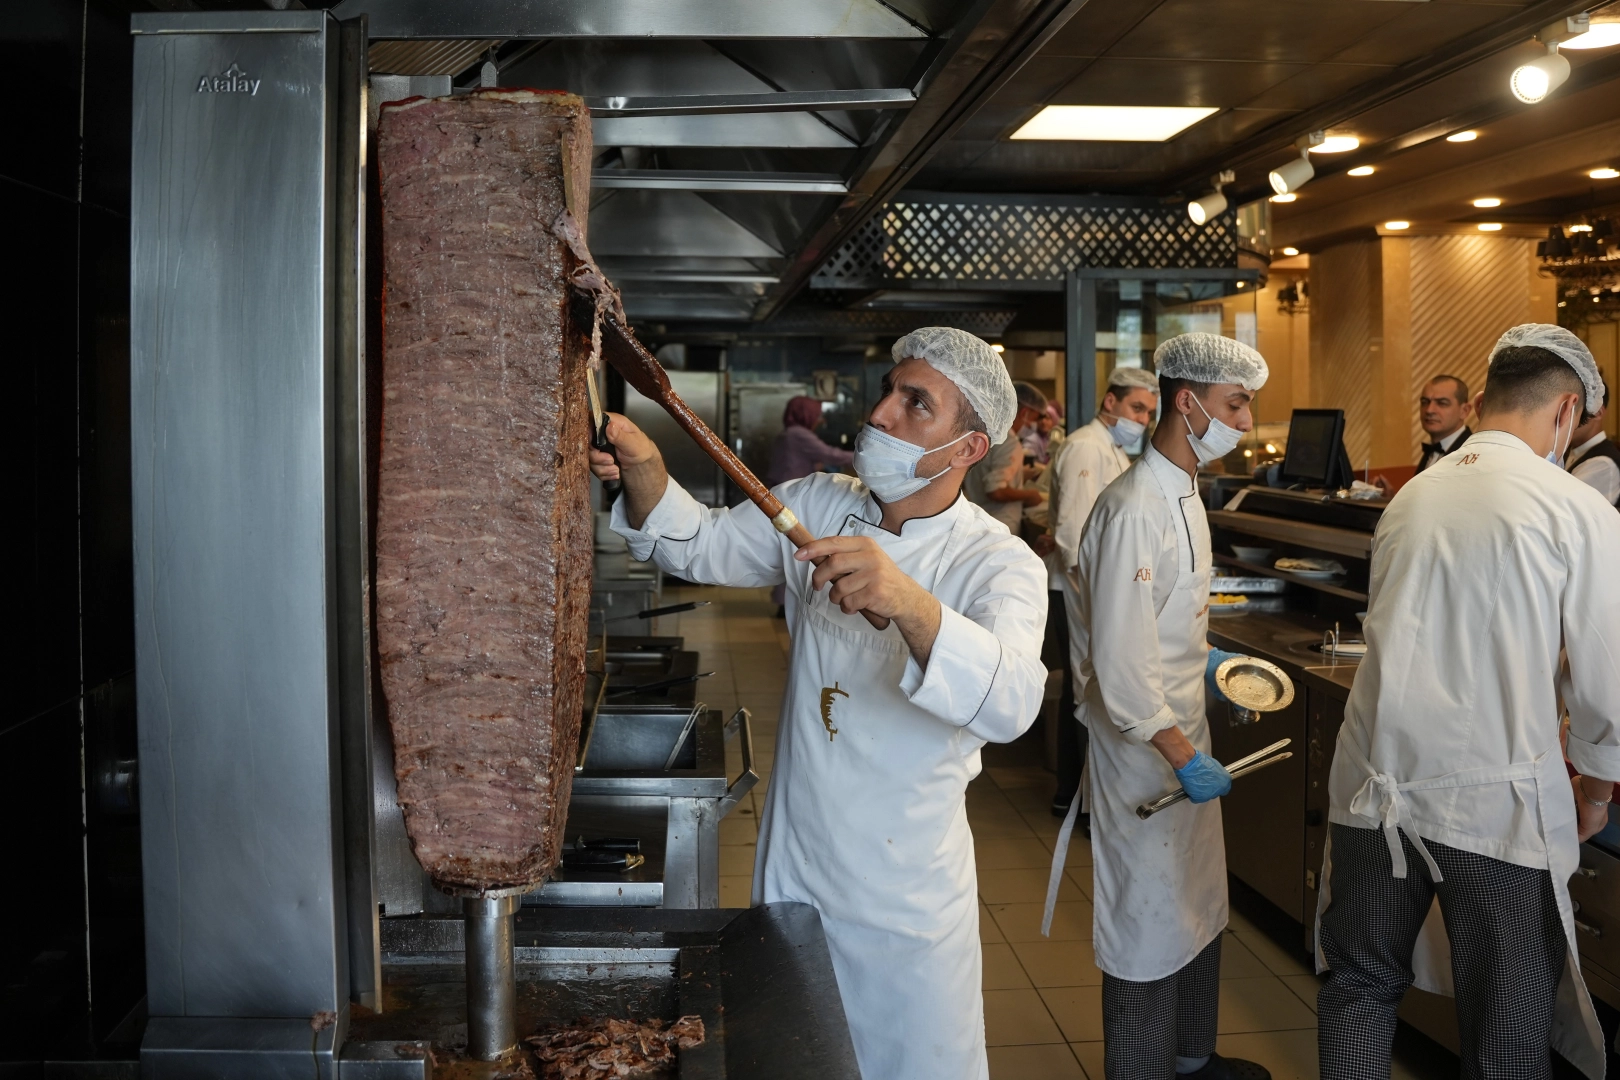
599, 860
599, 441
661, 684
608, 843
653, 613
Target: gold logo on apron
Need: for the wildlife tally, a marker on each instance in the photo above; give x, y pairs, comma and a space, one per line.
827, 695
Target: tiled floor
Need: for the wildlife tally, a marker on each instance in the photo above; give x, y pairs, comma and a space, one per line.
1042, 996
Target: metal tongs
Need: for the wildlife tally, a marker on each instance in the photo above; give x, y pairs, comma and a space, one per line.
1240, 767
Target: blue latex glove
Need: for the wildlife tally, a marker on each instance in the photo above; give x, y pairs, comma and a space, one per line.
1203, 778
1217, 657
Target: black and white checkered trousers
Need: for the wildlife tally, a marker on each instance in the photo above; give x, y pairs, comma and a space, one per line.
1147, 1025
1507, 956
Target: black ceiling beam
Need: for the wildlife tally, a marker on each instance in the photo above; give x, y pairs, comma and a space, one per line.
1590, 74
1412, 75
996, 40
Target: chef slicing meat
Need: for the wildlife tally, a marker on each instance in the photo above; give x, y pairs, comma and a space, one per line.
1142, 574
1448, 780
881, 729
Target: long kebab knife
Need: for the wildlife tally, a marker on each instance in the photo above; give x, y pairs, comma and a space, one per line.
594, 304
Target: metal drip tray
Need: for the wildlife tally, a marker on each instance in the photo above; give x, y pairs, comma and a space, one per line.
761, 979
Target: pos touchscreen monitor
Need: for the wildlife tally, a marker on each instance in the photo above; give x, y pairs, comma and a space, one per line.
1316, 457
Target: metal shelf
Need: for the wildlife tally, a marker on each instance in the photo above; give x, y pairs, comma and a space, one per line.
1351, 542
1309, 583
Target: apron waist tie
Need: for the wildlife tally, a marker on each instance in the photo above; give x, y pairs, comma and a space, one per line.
1381, 797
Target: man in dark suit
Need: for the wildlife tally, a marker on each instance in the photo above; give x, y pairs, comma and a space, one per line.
1443, 411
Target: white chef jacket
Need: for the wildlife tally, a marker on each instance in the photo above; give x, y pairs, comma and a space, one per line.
1600, 472
865, 816
1494, 559
1159, 895
1089, 461
1001, 468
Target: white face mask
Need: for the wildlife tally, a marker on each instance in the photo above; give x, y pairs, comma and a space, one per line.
1127, 434
1553, 455
888, 466
1218, 441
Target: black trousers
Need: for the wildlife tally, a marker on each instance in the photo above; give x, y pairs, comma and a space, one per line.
1507, 956
1072, 739
1147, 1025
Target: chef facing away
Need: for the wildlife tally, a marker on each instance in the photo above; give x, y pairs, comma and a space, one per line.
1142, 582
880, 732
1448, 778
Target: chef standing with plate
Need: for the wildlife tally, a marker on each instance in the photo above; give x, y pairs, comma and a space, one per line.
866, 817
1142, 574
1448, 779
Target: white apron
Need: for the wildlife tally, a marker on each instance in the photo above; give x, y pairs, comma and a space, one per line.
869, 824
1158, 886
1576, 1032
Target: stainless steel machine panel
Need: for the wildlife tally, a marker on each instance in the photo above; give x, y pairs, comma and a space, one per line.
232, 380
694, 470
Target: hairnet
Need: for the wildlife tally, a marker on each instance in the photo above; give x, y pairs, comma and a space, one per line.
1134, 378
1029, 397
1210, 358
972, 365
1562, 344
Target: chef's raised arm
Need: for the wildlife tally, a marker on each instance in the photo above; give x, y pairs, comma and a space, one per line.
984, 670
661, 521
1592, 641
1125, 656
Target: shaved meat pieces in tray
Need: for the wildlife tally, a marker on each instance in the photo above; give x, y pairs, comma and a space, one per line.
600, 1049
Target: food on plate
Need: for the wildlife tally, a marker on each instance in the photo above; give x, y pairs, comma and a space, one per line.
1311, 566
1228, 598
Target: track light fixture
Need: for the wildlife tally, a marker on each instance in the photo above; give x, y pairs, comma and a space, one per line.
1297, 173
1201, 210
1532, 82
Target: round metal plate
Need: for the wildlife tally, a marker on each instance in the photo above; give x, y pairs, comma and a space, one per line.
1251, 683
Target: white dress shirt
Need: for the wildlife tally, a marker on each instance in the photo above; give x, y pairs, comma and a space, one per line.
1430, 457
1601, 472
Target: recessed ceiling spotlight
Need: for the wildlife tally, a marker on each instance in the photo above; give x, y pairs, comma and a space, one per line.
1241, 284
1287, 197
1490, 226
1486, 204
1604, 173
1580, 228
1601, 36
998, 347
1336, 144
1290, 251
1462, 136
1111, 123
1396, 226
1361, 170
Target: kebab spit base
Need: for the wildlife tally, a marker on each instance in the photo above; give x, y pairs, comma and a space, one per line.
761, 979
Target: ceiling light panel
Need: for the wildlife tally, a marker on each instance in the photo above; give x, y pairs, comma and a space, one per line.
1462, 136
1287, 198
1361, 170
1604, 173
1490, 226
1396, 226
1486, 204
1111, 123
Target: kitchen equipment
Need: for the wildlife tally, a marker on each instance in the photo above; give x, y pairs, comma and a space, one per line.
1240, 584
1253, 686
760, 978
1241, 767
1250, 554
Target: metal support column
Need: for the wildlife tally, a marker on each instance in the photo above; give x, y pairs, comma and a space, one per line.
491, 976
1079, 349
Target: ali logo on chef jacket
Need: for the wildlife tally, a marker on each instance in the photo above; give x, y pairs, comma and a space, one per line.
1144, 574
233, 80
827, 695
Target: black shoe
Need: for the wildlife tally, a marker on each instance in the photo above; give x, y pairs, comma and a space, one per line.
1060, 805
1225, 1068
781, 611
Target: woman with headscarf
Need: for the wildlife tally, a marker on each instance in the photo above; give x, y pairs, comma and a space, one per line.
798, 451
